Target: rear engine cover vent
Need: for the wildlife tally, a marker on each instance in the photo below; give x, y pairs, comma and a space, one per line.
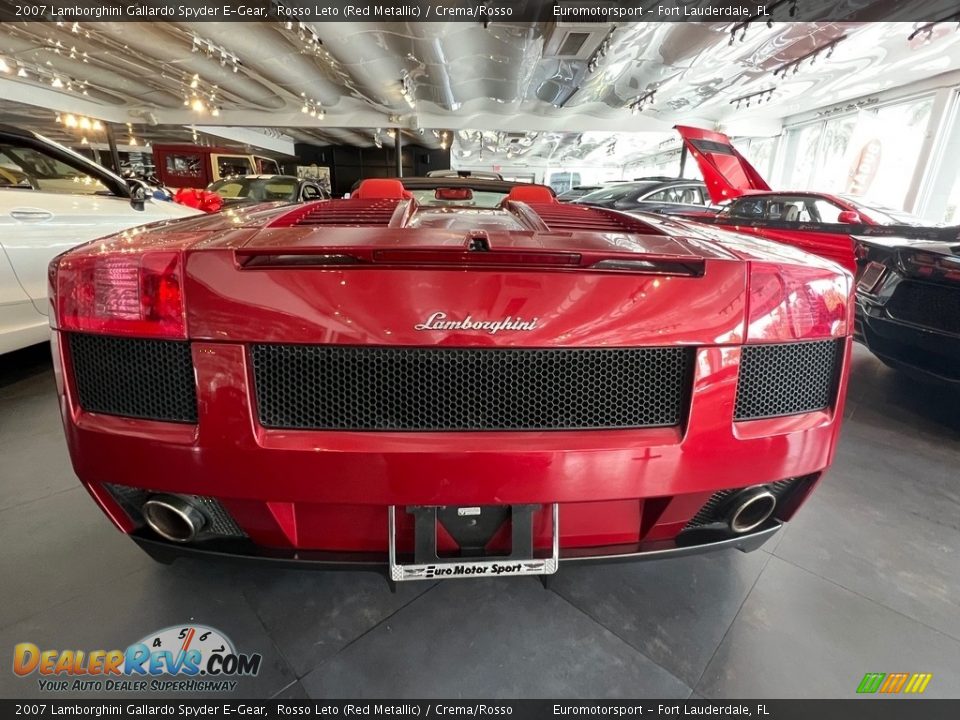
344, 213
560, 216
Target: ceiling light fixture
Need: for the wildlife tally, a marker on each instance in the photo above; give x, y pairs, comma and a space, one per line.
795, 64
765, 13
642, 101
927, 28
761, 96
408, 89
312, 107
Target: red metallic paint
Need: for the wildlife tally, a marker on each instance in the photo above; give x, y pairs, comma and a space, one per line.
330, 490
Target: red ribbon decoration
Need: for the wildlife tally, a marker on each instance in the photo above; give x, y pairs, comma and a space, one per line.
200, 199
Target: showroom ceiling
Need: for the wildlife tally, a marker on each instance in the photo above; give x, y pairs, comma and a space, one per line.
555, 81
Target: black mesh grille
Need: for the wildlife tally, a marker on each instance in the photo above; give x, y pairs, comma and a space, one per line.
150, 379
787, 379
928, 305
349, 388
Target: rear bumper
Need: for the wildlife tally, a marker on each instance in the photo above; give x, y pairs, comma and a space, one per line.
314, 495
912, 348
246, 552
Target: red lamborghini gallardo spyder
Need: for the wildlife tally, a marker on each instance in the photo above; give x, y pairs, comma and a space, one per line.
447, 378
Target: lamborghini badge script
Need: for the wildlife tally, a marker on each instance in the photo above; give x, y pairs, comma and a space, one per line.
439, 321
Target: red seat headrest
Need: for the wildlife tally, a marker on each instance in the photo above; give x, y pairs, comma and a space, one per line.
381, 189
531, 194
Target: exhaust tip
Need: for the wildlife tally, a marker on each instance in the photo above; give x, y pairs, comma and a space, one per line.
750, 509
173, 518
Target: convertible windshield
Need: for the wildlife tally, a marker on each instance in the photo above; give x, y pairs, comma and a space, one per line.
257, 189
480, 199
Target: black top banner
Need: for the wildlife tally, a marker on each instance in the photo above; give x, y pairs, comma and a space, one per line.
483, 11
868, 709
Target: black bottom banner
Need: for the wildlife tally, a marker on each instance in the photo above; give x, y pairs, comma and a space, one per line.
867, 708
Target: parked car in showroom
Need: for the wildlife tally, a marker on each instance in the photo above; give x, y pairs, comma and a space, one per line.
52, 199
448, 377
252, 189
908, 304
821, 223
578, 191
907, 270
666, 196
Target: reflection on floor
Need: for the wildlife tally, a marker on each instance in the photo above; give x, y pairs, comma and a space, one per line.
866, 579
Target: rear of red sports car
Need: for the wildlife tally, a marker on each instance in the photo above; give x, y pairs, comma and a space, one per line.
446, 389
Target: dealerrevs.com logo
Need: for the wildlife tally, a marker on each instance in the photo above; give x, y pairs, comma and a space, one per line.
184, 658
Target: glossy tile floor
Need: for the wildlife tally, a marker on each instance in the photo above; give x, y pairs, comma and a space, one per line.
866, 578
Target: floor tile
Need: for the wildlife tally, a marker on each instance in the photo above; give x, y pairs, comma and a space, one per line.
491, 638
886, 525
121, 612
312, 615
56, 548
674, 611
34, 467
799, 635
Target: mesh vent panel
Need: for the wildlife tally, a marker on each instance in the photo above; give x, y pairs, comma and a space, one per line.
150, 379
349, 388
933, 306
787, 379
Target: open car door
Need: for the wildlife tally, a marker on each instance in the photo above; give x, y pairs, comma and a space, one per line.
725, 171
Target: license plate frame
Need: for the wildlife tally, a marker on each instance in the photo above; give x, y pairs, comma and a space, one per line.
465, 567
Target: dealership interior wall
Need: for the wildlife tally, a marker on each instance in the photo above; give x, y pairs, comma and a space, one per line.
865, 578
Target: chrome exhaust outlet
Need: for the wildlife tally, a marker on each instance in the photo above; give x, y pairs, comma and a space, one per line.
173, 518
750, 509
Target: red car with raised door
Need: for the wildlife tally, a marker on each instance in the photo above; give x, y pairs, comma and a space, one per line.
455, 379
825, 224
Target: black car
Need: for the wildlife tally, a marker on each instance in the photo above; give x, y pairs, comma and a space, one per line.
249, 189
657, 195
577, 191
908, 302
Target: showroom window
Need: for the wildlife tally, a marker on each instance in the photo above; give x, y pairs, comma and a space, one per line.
229, 165
827, 212
872, 153
29, 169
951, 215
759, 152
185, 165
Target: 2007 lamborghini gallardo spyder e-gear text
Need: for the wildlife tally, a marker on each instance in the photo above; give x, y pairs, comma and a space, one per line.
457, 379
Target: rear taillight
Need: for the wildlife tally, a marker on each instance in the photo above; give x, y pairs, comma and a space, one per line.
120, 294
789, 302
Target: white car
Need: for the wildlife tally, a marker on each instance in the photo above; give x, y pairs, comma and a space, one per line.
52, 199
